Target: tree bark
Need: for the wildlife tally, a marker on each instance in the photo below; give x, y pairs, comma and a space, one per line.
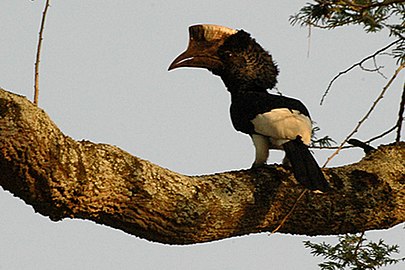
64, 178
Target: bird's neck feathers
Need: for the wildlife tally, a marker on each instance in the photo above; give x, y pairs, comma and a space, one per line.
246, 65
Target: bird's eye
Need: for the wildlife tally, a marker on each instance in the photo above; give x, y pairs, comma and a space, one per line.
226, 54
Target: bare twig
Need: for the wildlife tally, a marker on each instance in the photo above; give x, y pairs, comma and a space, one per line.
350, 146
36, 76
327, 27
400, 115
385, 88
360, 63
330, 147
289, 213
359, 7
382, 134
309, 39
356, 250
375, 69
366, 148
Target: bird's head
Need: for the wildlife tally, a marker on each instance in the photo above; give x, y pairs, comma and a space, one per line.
233, 55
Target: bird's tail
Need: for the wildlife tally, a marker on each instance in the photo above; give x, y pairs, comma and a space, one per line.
304, 165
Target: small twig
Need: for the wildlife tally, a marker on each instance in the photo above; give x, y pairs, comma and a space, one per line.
385, 88
375, 69
400, 115
309, 39
366, 148
360, 63
330, 147
356, 250
350, 146
382, 134
289, 213
36, 76
359, 243
328, 27
375, 4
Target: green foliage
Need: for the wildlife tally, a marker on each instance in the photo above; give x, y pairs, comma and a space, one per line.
323, 142
373, 15
354, 252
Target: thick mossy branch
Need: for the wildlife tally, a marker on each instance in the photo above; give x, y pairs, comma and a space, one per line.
64, 178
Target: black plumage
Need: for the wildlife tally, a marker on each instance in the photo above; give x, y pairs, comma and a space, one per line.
248, 71
304, 165
247, 104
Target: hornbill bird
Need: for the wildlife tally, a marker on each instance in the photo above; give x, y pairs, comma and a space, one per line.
248, 71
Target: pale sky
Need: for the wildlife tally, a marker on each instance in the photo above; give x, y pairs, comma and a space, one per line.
104, 78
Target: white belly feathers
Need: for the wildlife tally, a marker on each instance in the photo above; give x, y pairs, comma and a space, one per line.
282, 125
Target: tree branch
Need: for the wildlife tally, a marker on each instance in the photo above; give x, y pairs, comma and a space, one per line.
400, 115
64, 178
358, 64
365, 117
38, 55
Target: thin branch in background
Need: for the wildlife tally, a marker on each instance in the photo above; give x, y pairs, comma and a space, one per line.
385, 133
331, 147
289, 213
309, 39
400, 115
372, 56
382, 134
359, 7
366, 148
367, 114
378, 68
357, 248
36, 76
375, 69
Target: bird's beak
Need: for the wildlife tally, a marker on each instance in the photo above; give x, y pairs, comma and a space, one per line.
204, 41
197, 56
